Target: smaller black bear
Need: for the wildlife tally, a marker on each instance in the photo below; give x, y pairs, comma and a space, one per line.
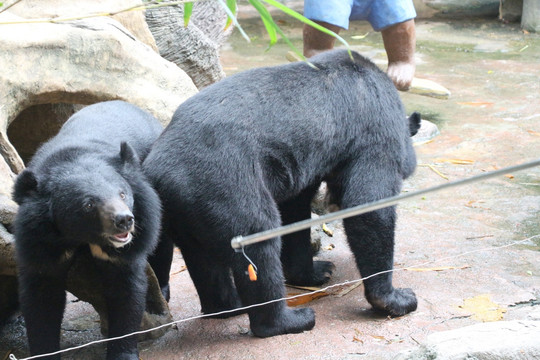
84, 190
248, 154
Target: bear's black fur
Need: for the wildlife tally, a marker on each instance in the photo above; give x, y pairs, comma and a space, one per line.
84, 190
247, 154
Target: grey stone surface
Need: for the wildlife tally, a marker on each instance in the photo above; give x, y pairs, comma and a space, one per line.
131, 20
502, 340
427, 131
530, 20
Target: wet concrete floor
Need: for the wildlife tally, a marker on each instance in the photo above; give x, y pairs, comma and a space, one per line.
492, 120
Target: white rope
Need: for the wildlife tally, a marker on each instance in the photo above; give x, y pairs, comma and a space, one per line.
325, 289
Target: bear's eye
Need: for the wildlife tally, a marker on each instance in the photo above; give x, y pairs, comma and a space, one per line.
122, 195
89, 205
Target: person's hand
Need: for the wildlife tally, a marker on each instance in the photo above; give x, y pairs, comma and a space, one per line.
401, 73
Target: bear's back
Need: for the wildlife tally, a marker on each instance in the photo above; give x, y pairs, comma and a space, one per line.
100, 128
292, 101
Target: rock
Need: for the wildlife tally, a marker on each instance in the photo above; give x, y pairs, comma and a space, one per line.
315, 238
501, 340
534, 315
530, 20
195, 48
7, 253
134, 21
36, 124
461, 8
322, 203
427, 131
81, 62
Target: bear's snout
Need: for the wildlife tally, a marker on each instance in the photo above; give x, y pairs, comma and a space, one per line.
124, 221
118, 221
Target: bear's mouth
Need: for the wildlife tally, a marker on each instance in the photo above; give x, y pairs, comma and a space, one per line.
122, 238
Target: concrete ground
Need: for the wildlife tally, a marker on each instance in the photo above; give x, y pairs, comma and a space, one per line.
492, 120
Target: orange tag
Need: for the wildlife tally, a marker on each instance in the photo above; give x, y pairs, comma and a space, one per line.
252, 273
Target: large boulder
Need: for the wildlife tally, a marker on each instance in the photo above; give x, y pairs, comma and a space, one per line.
54, 9
82, 62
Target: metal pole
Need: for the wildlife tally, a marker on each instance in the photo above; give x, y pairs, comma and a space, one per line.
240, 241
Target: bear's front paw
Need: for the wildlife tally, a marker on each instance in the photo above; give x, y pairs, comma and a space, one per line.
290, 321
396, 303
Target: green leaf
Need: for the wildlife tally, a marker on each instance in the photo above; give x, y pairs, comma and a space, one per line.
188, 9
268, 21
231, 4
305, 20
234, 20
272, 28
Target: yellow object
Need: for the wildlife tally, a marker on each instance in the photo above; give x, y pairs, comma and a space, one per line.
252, 273
483, 309
429, 88
292, 57
326, 230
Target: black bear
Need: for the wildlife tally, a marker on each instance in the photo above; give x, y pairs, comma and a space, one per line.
84, 190
247, 154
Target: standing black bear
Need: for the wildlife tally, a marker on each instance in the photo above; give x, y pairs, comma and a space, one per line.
84, 190
247, 154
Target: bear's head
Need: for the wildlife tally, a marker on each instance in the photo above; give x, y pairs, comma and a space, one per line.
88, 200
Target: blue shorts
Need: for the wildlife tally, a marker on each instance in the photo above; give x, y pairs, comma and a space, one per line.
380, 13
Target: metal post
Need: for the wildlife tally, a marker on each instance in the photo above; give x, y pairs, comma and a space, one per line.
240, 241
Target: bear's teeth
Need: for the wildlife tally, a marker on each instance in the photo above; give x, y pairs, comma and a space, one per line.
122, 237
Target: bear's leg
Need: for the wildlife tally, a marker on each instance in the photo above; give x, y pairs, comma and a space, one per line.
296, 255
371, 235
161, 261
124, 289
213, 282
42, 300
275, 318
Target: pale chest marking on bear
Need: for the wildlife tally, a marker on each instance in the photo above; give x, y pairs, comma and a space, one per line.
98, 252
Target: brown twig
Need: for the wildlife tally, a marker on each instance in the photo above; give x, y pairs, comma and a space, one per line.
435, 170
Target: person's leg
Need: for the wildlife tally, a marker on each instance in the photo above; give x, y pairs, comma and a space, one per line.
399, 43
316, 41
331, 14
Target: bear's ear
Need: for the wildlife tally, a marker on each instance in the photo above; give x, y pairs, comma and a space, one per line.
25, 185
128, 155
414, 123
